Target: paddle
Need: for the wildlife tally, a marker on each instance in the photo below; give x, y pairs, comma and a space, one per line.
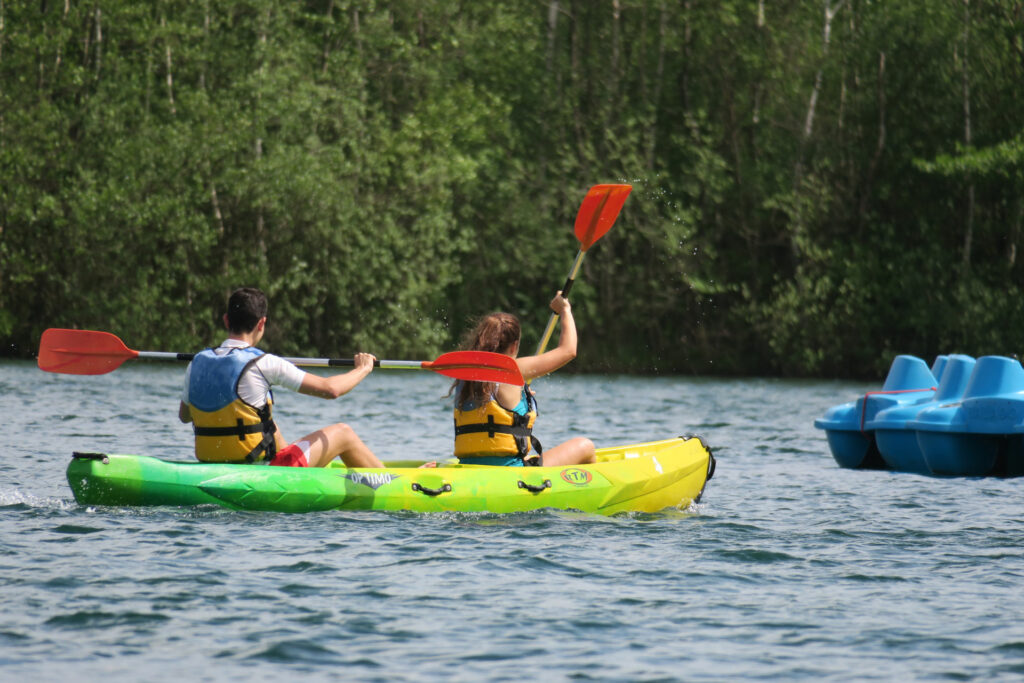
596, 216
89, 352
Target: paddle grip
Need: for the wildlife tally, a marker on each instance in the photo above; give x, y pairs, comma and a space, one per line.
348, 362
567, 287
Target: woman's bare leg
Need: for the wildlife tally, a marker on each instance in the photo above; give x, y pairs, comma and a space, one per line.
575, 451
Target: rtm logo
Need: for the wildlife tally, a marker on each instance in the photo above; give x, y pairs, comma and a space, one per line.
576, 476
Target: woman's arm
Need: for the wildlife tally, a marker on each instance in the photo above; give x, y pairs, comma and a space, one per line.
549, 361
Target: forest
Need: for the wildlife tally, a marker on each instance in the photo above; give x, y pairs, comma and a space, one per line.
817, 186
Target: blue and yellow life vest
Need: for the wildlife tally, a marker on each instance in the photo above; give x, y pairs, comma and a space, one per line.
227, 428
491, 429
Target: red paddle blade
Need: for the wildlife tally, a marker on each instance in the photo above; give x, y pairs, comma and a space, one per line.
598, 212
81, 352
477, 366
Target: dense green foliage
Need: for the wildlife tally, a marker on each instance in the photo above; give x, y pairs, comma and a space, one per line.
817, 185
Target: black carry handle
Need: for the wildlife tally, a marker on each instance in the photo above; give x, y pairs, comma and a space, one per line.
532, 488
416, 486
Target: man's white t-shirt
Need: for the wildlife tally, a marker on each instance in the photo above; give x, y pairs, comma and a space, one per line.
254, 385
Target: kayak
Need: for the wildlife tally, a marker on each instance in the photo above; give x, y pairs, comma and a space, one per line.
644, 477
960, 417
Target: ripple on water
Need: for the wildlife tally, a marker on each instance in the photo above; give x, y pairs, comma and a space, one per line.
304, 651
755, 556
76, 529
81, 620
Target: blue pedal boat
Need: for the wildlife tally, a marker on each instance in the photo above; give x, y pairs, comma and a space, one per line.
971, 423
982, 433
910, 381
897, 444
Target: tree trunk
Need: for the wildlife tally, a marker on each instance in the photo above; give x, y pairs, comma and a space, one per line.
99, 42
969, 218
1011, 252
60, 43
684, 72
812, 104
169, 80
575, 79
659, 77
879, 144
615, 78
261, 243
357, 35
552, 34
327, 38
206, 45
808, 129
3, 127
616, 31
755, 115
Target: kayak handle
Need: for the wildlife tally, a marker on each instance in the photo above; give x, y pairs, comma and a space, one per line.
416, 486
102, 457
532, 488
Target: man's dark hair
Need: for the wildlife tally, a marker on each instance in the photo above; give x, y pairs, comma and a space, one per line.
245, 308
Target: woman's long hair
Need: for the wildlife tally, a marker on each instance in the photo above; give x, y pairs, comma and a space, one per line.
497, 333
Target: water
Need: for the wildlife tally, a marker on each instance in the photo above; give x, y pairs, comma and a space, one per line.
789, 569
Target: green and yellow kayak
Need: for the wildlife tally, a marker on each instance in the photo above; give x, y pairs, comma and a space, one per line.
645, 477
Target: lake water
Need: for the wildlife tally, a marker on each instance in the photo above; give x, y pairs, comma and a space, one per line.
789, 569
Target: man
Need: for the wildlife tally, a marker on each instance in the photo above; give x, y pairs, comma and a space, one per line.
227, 398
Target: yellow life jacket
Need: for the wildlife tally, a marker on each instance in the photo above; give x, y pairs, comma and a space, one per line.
491, 429
227, 429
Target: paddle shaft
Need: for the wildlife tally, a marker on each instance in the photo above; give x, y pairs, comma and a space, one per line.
550, 329
303, 362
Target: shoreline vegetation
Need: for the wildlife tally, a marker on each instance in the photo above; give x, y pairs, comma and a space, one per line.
816, 187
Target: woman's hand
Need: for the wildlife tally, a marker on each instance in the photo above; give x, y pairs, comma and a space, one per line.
560, 305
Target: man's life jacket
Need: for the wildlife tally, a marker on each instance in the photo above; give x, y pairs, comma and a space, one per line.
227, 428
491, 429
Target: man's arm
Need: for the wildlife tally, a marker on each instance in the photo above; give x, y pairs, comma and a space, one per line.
184, 414
338, 385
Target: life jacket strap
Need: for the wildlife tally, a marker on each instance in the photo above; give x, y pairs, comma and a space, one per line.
267, 448
519, 429
491, 428
533, 459
264, 450
240, 430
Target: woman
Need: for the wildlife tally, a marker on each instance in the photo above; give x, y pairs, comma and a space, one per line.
494, 422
